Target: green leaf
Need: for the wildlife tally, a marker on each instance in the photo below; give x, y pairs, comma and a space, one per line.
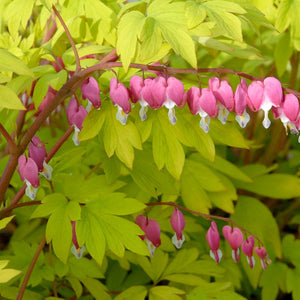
291, 249
282, 54
8, 99
165, 292
92, 125
84, 267
96, 288
129, 29
275, 186
7, 274
292, 279
137, 292
10, 63
195, 14
284, 16
4, 222
76, 285
166, 148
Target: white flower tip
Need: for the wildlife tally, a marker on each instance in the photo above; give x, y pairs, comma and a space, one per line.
78, 253
75, 136
178, 243
143, 112
89, 106
266, 121
151, 247
47, 171
30, 190
204, 123
216, 257
121, 116
223, 114
235, 255
171, 115
243, 119
251, 261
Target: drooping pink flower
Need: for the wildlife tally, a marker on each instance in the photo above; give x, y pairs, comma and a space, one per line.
29, 174
178, 224
38, 153
288, 112
90, 90
241, 100
213, 240
224, 95
152, 232
76, 249
120, 97
76, 115
264, 95
235, 238
204, 103
51, 93
264, 258
247, 249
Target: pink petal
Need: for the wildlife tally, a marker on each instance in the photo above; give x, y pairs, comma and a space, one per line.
248, 245
177, 222
175, 90
193, 97
273, 90
159, 87
233, 235
208, 102
256, 95
31, 173
290, 107
136, 85
240, 97
90, 90
213, 237
37, 152
152, 231
119, 95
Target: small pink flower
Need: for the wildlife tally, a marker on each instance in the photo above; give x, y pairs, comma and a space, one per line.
262, 254
29, 173
288, 112
120, 97
152, 232
224, 95
90, 90
213, 240
241, 100
178, 224
76, 115
38, 153
203, 103
235, 238
247, 249
265, 95
76, 249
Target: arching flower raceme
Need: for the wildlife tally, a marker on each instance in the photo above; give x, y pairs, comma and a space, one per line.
264, 258
241, 100
235, 238
288, 112
76, 115
76, 249
120, 97
224, 95
38, 153
213, 240
152, 232
247, 249
203, 103
264, 95
90, 90
29, 174
178, 224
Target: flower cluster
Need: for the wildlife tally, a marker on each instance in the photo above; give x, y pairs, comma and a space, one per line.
235, 238
30, 168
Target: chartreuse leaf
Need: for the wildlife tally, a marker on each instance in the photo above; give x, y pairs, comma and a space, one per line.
227, 134
10, 63
170, 18
165, 292
284, 16
291, 249
166, 148
96, 288
8, 99
10, 292
283, 52
190, 134
137, 292
129, 29
118, 138
76, 285
4, 222
92, 125
283, 186
7, 274
292, 280
195, 13
84, 268
56, 80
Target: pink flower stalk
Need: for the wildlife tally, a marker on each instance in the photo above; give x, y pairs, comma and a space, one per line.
264, 258
213, 240
203, 103
235, 238
224, 95
76, 249
29, 173
241, 100
120, 97
288, 112
178, 224
90, 90
152, 232
76, 115
38, 153
247, 249
264, 95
